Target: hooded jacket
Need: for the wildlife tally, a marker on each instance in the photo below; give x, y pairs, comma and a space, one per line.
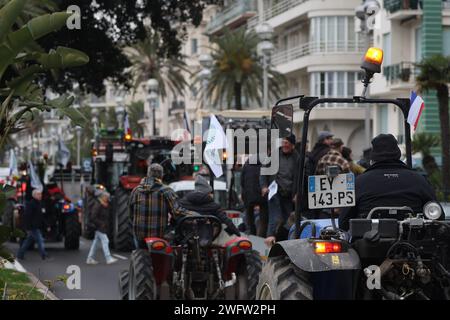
204, 204
33, 217
249, 179
384, 184
150, 204
319, 150
100, 217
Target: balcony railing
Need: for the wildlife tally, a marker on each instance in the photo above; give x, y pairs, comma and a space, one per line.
275, 10
401, 72
236, 10
393, 6
317, 47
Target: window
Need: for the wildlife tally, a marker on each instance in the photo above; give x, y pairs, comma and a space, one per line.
333, 84
418, 40
387, 49
446, 40
194, 46
333, 34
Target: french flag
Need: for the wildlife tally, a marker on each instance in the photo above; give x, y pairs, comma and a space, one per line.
415, 109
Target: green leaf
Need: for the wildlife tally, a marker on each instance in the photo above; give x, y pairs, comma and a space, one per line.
8, 16
38, 27
62, 57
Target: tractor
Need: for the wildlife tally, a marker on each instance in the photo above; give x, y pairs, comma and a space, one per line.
392, 254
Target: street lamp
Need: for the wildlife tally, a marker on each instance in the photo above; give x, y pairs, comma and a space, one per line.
363, 12
206, 61
120, 111
265, 49
78, 131
152, 98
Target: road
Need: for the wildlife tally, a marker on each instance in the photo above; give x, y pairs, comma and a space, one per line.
98, 282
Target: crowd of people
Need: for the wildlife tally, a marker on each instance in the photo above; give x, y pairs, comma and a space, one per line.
274, 213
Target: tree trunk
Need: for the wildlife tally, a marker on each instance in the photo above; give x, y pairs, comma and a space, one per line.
442, 95
238, 95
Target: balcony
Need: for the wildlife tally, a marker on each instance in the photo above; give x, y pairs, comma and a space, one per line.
403, 9
315, 48
275, 10
233, 16
403, 73
178, 107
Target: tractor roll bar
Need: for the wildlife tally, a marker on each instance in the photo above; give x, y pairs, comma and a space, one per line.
307, 104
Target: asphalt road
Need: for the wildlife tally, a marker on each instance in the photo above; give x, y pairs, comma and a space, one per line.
98, 282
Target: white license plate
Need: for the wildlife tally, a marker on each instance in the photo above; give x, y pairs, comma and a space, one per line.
326, 192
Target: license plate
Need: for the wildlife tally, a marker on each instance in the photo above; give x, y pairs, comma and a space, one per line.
326, 192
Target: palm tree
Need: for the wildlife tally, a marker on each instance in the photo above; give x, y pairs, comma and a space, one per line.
237, 73
423, 142
135, 113
435, 75
148, 62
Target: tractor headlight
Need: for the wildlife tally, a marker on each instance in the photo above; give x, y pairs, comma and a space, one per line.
432, 210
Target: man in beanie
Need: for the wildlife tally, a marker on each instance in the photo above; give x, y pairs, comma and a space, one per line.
320, 149
333, 158
202, 201
150, 204
388, 182
282, 203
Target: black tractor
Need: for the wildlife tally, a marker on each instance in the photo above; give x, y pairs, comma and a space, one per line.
392, 254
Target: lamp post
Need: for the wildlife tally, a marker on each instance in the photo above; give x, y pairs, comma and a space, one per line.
152, 98
363, 12
265, 49
120, 111
206, 62
78, 130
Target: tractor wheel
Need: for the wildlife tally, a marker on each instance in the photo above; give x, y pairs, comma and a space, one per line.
123, 284
123, 238
88, 233
248, 276
281, 280
71, 232
141, 281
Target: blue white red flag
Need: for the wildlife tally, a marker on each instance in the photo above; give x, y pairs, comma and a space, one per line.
415, 109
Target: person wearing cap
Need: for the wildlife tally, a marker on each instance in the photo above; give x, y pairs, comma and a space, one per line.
282, 203
333, 158
320, 149
388, 182
99, 219
201, 200
153, 206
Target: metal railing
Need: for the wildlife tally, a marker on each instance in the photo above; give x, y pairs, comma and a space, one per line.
317, 47
275, 10
237, 9
395, 5
401, 72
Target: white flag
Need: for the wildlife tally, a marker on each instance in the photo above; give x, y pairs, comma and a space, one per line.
13, 164
216, 140
63, 154
35, 181
126, 124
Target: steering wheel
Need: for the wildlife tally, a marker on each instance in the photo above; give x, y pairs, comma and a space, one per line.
188, 226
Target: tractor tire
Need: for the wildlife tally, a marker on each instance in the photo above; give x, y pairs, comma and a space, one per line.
72, 232
88, 233
123, 284
248, 276
123, 237
280, 279
141, 283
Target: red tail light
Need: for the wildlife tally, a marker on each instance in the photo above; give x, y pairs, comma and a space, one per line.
327, 247
158, 245
245, 245
66, 207
24, 187
234, 215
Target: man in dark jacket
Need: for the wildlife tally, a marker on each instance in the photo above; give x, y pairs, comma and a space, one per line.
202, 201
33, 221
251, 196
320, 149
281, 204
387, 182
